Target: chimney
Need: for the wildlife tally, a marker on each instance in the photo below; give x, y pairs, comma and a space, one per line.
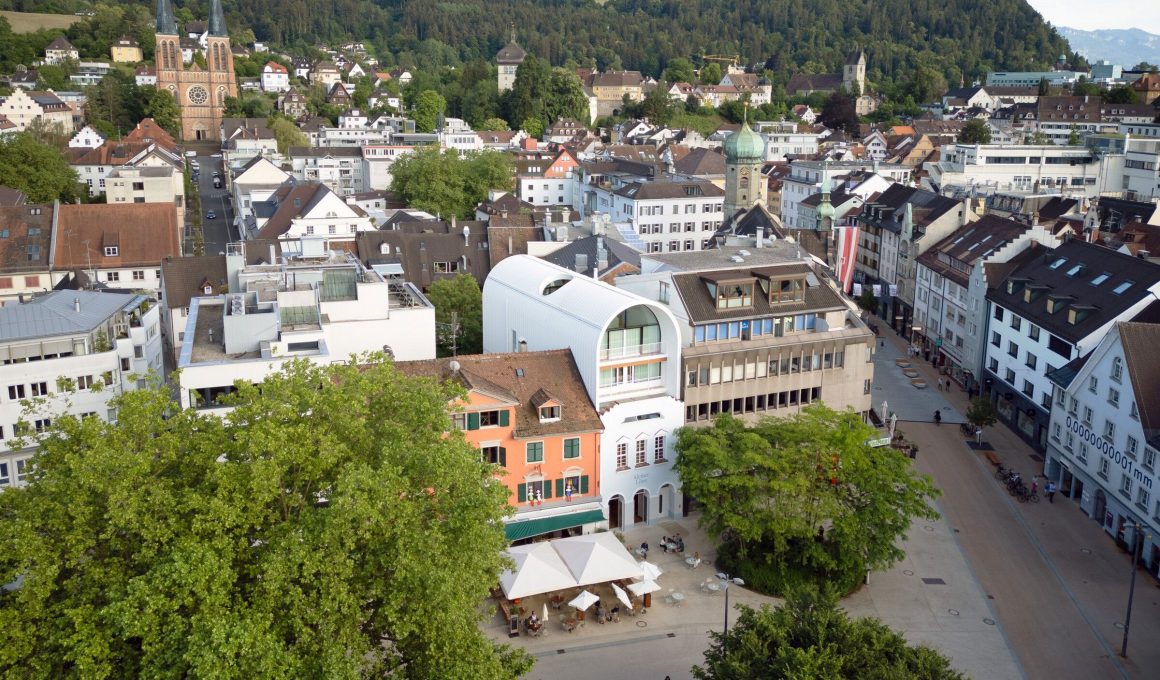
273, 255
964, 211
510, 246
581, 263
466, 235
454, 224
759, 234
76, 304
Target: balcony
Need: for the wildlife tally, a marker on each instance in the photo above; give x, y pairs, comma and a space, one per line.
629, 351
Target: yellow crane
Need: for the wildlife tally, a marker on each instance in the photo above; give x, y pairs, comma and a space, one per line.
733, 60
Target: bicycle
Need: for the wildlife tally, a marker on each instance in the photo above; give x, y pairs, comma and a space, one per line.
1025, 495
1002, 473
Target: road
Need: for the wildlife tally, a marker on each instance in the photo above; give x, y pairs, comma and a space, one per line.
1058, 582
220, 230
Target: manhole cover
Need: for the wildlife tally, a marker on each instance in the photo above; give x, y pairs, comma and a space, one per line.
641, 624
1086, 551
953, 612
934, 581
908, 572
989, 622
928, 528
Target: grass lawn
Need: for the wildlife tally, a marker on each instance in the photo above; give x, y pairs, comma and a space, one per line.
29, 22
705, 124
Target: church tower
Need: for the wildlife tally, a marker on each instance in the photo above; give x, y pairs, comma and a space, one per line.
200, 92
744, 183
854, 73
509, 59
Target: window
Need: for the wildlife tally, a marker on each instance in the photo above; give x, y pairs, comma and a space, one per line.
39, 389
1072, 405
995, 340
113, 276
993, 365
111, 251
1033, 332
622, 456
1010, 376
1093, 384
571, 448
138, 275
1102, 470
492, 454
1149, 459
641, 452
1069, 440
459, 421
1117, 369
1109, 430
84, 382
16, 391
1016, 322
1135, 412
1029, 389
488, 418
549, 413
5, 477
659, 449
1056, 430
534, 452
1125, 485
1142, 497
1132, 447
866, 387
1114, 397
23, 468
41, 424
999, 313
1012, 349
1031, 361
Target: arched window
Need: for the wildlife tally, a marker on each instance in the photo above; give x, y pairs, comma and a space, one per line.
744, 183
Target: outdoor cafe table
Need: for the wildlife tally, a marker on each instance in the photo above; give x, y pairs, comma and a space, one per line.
678, 598
556, 601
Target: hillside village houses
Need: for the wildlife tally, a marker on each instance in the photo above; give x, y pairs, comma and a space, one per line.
24, 106
275, 77
126, 50
60, 49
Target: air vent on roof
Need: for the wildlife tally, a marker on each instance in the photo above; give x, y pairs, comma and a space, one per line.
737, 258
519, 372
743, 253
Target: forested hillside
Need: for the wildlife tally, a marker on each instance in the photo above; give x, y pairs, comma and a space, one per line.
956, 37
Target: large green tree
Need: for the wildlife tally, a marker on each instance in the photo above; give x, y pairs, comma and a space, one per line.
286, 133
429, 107
810, 638
36, 168
446, 184
680, 70
327, 527
458, 314
975, 131
162, 107
802, 498
839, 113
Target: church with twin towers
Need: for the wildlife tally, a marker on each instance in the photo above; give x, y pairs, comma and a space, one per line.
200, 92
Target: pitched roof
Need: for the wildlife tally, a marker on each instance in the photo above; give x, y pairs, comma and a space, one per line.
969, 244
25, 237
617, 253
652, 191
701, 305
185, 277
1139, 341
293, 201
144, 233
56, 314
749, 222
926, 207
701, 161
511, 53
524, 377
616, 79
509, 236
417, 245
10, 196
60, 43
818, 82
275, 67
1074, 273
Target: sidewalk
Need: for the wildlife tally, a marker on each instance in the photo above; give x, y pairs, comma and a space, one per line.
1059, 583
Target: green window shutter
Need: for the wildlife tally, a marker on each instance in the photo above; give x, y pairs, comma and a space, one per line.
503, 418
584, 484
547, 488
503, 456
473, 421
522, 493
560, 487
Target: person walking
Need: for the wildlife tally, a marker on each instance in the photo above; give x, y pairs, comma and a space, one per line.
1049, 491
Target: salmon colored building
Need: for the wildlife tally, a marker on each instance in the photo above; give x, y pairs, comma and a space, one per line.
529, 414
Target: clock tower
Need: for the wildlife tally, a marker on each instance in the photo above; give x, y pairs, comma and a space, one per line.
745, 186
200, 92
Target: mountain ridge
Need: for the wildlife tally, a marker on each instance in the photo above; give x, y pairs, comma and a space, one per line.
1124, 46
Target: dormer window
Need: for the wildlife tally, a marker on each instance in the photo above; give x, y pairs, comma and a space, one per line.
1077, 313
549, 414
734, 295
1056, 303
111, 251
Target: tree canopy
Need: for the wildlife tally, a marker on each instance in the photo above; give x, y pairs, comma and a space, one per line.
975, 131
429, 108
328, 526
802, 498
839, 113
36, 168
458, 315
446, 184
810, 638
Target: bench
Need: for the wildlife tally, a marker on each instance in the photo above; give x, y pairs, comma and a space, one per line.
990, 456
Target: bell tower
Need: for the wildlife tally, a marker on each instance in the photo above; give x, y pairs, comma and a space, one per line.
200, 93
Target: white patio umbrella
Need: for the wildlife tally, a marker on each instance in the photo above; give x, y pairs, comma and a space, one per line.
622, 596
545, 611
643, 587
650, 571
584, 600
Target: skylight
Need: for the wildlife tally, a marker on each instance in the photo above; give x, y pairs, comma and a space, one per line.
1058, 263
1075, 270
1119, 290
1100, 279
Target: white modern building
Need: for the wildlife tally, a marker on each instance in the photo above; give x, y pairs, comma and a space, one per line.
1142, 169
782, 139
628, 351
668, 217
1033, 78
323, 307
806, 179
253, 183
984, 169
377, 161
76, 350
1055, 306
340, 168
1103, 445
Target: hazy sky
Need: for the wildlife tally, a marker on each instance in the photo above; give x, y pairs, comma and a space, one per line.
1092, 14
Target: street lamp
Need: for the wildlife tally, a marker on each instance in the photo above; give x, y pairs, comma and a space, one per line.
726, 582
1138, 538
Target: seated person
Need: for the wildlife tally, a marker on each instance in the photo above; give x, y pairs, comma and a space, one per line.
615, 613
680, 545
644, 550
665, 543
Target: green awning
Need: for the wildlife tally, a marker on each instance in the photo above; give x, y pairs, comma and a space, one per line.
534, 527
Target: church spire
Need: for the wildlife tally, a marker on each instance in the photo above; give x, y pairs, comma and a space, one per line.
166, 25
217, 19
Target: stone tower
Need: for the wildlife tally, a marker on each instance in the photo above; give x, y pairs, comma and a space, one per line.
509, 59
744, 183
854, 73
200, 92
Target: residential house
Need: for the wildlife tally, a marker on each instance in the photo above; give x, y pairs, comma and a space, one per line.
610, 88
628, 352
534, 404
275, 77
424, 251
544, 179
120, 245
182, 279
25, 249
339, 95
321, 306
298, 213
1147, 87
292, 103
668, 216
984, 169
1052, 308
126, 50
302, 67
69, 352
161, 184
147, 145
24, 106
763, 332
340, 168
602, 258
145, 75
60, 49
759, 89
251, 184
325, 73
950, 307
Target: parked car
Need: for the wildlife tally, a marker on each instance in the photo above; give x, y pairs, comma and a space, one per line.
190, 154
211, 215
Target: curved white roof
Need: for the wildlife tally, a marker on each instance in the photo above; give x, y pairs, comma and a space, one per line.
583, 297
